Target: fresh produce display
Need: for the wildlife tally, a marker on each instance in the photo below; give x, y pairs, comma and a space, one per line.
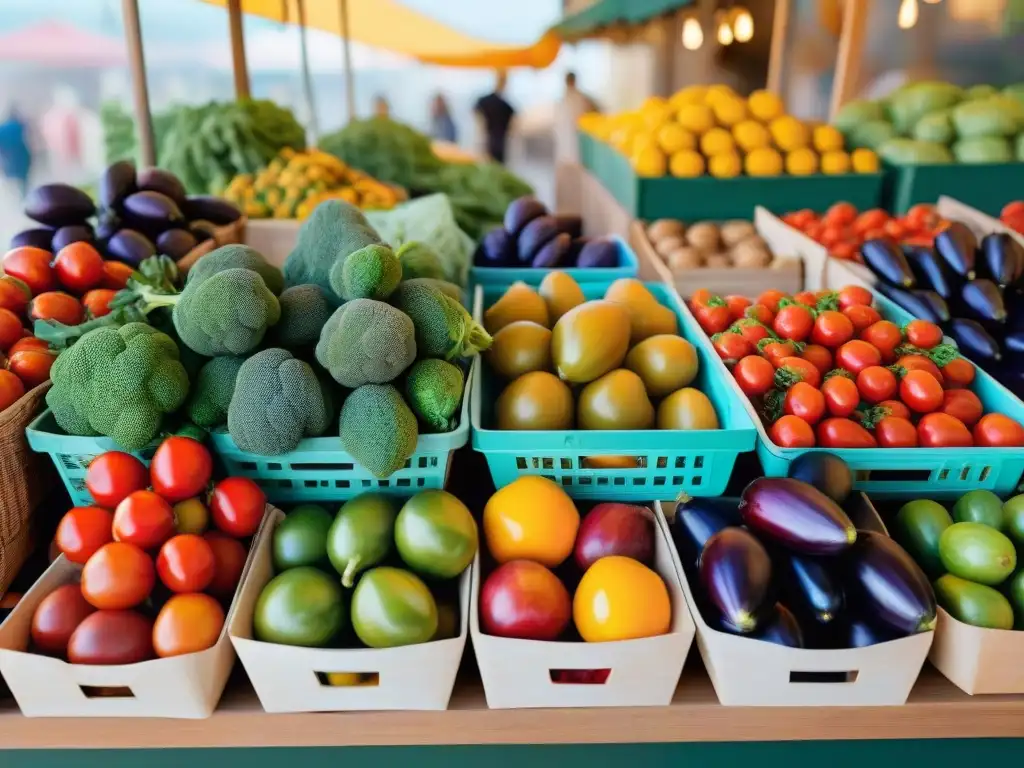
713, 130
785, 564
929, 123
827, 370
1012, 216
623, 353
156, 578
558, 577
707, 244
294, 183
380, 567
532, 237
970, 553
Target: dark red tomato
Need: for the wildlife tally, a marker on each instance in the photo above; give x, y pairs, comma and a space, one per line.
32, 366
56, 305
854, 294
940, 430
958, 373
143, 519
792, 432
118, 576
761, 313
181, 468
112, 637
79, 267
963, 404
885, 337
862, 316
751, 330
832, 329
777, 351
32, 267
82, 531
923, 334
896, 432
793, 322
854, 356
713, 318
804, 401
186, 563
920, 363
794, 369
237, 505
818, 356
844, 433
112, 476
807, 298
896, 408
841, 396
731, 347
229, 559
998, 431
876, 383
737, 305
754, 374
56, 618
771, 299
921, 392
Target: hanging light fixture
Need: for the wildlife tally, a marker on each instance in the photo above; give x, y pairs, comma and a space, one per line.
907, 16
724, 33
742, 24
693, 34
933, 2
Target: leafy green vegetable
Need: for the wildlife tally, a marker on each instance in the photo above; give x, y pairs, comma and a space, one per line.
443, 326
366, 342
236, 256
984, 149
372, 272
419, 260
212, 391
304, 312
378, 428
434, 391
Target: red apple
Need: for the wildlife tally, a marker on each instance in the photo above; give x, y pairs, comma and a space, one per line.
525, 600
615, 529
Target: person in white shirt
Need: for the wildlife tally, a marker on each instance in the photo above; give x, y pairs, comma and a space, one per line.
573, 105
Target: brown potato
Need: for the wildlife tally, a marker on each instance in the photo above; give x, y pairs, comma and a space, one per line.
718, 261
751, 255
734, 232
663, 228
666, 245
704, 236
684, 258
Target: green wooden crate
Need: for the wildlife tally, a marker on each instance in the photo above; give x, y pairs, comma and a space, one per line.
987, 187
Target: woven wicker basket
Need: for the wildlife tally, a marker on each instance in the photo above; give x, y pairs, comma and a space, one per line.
25, 478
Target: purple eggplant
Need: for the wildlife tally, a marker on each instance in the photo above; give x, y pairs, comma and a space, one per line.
130, 246
697, 520
782, 628
37, 237
571, 225
535, 236
924, 305
860, 633
553, 252
214, 209
58, 205
74, 233
931, 272
1014, 343
495, 249
813, 588
202, 229
152, 211
1002, 258
521, 212
824, 471
889, 585
176, 243
958, 247
116, 183
885, 258
599, 252
107, 224
736, 573
974, 341
985, 300
796, 515
164, 182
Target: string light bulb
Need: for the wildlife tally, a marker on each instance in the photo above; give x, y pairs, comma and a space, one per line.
742, 25
725, 36
933, 2
907, 16
693, 34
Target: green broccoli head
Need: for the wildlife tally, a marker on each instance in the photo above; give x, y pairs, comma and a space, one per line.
419, 260
236, 256
378, 428
366, 342
372, 272
277, 401
212, 391
226, 314
304, 311
434, 390
118, 382
443, 326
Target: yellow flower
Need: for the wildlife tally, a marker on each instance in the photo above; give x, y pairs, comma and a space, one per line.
802, 162
717, 141
725, 166
751, 135
864, 161
835, 163
672, 138
827, 138
764, 162
789, 133
765, 106
696, 118
686, 164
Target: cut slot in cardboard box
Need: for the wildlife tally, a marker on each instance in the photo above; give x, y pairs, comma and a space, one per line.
184, 687
750, 673
642, 673
293, 679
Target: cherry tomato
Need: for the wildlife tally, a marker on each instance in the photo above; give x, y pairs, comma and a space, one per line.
731, 347
187, 624
854, 356
794, 369
841, 395
79, 267
113, 475
116, 275
998, 431
921, 391
896, 432
818, 356
181, 468
963, 404
792, 432
713, 318
852, 295
940, 430
700, 298
56, 305
32, 366
870, 219
896, 408
814, 230
862, 316
186, 563
895, 230
82, 531
771, 299
751, 330
885, 337
830, 236
754, 374
761, 313
32, 267
922, 216
777, 351
118, 576
844, 433
14, 294
876, 383
229, 560
57, 617
920, 363
28, 342
794, 322
841, 214
923, 334
737, 305
97, 301
804, 401
958, 373
12, 389
807, 298
832, 329
237, 505
10, 329
143, 519
844, 251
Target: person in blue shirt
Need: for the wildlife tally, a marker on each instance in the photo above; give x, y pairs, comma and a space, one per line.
15, 155
442, 127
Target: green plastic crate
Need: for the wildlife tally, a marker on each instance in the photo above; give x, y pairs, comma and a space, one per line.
628, 266
667, 462
987, 187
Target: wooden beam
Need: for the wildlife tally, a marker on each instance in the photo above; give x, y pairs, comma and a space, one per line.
140, 90
238, 63
851, 52
346, 49
307, 78
780, 34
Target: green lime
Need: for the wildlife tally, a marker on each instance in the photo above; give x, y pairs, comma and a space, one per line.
436, 535
393, 607
301, 538
302, 606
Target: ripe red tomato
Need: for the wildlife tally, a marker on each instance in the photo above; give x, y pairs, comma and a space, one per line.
116, 275
844, 433
862, 316
10, 329
79, 267
841, 395
181, 468
921, 391
56, 305
143, 519
112, 476
998, 431
807, 298
751, 330
186, 563
841, 214
14, 294
187, 624
794, 369
771, 299
963, 404
737, 305
731, 347
885, 337
777, 351
118, 576
870, 219
921, 363
700, 298
761, 313
958, 373
82, 531
792, 432
804, 401
794, 322
11, 389
854, 356
32, 366
923, 334
876, 383
57, 617
229, 559
32, 267
713, 318
832, 329
855, 294
237, 505
896, 432
754, 374
28, 342
940, 430
97, 301
818, 356
896, 408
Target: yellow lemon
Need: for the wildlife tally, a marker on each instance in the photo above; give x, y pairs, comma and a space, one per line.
622, 139
650, 162
751, 135
716, 93
717, 141
642, 141
827, 138
802, 162
763, 162
788, 133
864, 161
765, 106
190, 516
835, 163
696, 118
729, 112
686, 164
652, 103
672, 138
691, 94
725, 166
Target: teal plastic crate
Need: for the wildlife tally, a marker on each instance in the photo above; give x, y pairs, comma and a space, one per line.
628, 266
987, 187
665, 463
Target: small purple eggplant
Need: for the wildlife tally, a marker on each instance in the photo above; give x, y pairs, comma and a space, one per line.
890, 585
152, 210
599, 252
521, 212
985, 300
958, 246
74, 233
736, 573
796, 515
37, 237
176, 243
535, 236
782, 628
164, 182
116, 183
553, 252
58, 205
974, 341
215, 209
130, 246
495, 249
885, 258
697, 520
1002, 258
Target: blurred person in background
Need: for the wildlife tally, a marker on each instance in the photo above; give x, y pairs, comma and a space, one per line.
381, 108
573, 105
61, 128
442, 127
15, 154
496, 115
